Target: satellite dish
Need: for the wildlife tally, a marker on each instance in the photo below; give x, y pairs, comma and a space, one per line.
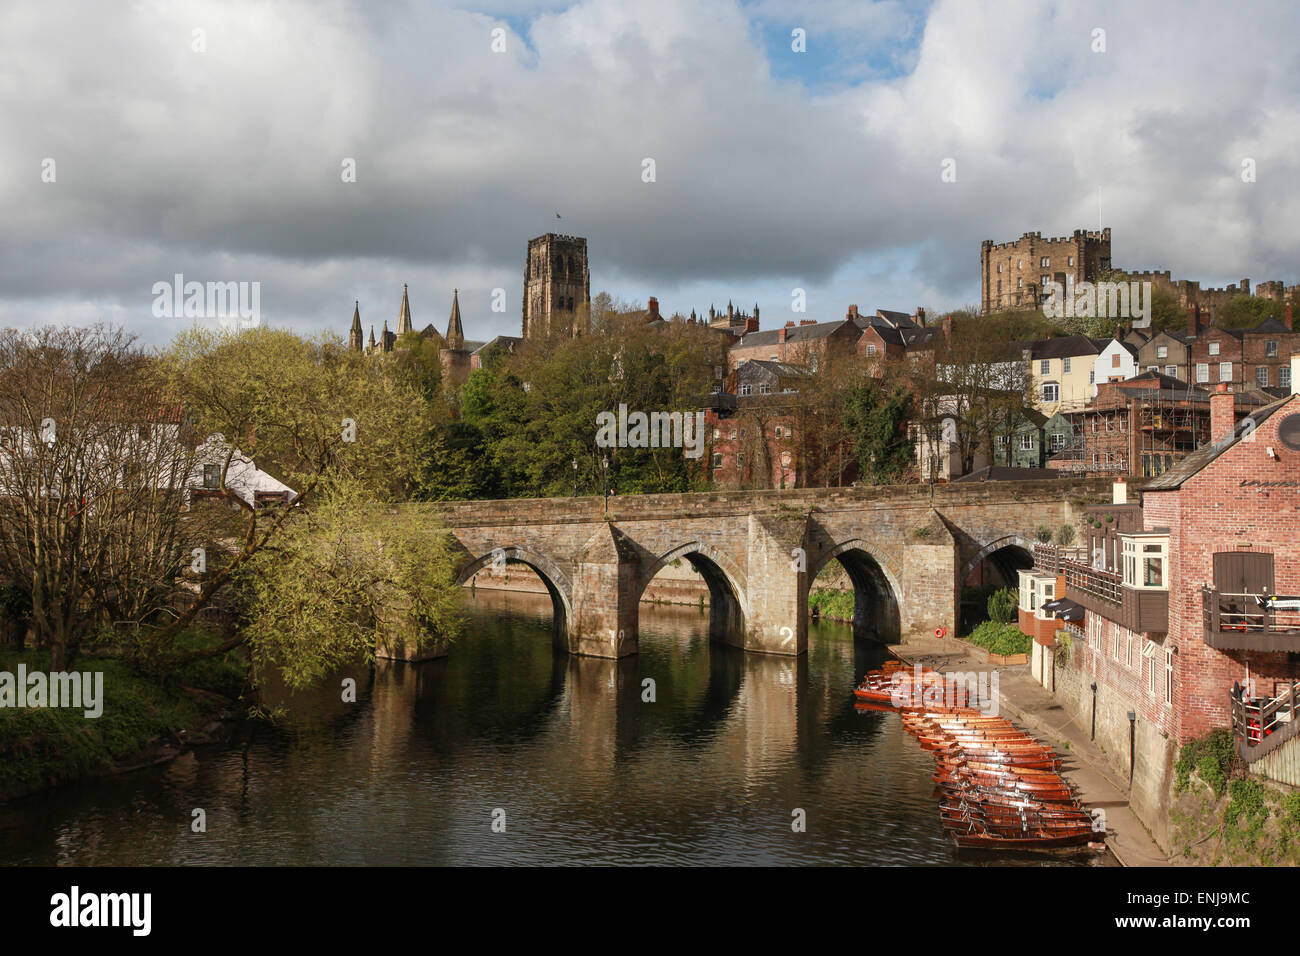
1288, 432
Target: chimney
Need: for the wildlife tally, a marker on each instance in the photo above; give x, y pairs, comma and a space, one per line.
807, 321
751, 324
1286, 317
781, 333
654, 308
920, 316
1223, 416
947, 330
1193, 320
853, 312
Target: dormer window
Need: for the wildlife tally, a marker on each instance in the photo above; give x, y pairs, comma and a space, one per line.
1145, 561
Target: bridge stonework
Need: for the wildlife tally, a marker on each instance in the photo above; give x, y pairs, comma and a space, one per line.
906, 548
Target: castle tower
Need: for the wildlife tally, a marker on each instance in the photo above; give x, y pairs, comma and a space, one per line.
354, 334
404, 317
455, 331
557, 285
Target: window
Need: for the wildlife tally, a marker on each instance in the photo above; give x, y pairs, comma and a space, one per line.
1171, 371
1070, 261
717, 461
1214, 348
1044, 262
1153, 678
747, 390
1153, 368
1065, 362
1284, 376
1051, 392
1027, 442
1057, 442
765, 389
211, 476
871, 350
742, 434
717, 433
778, 431
1261, 376
999, 268
1270, 348
1045, 367
1144, 560
740, 459
1128, 649
773, 358
1114, 360
733, 434
143, 432
1003, 440
1162, 351
1225, 371
1092, 376
1020, 283
1202, 372
1020, 264
1043, 280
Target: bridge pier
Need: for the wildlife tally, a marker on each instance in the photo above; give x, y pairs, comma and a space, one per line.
605, 598
777, 583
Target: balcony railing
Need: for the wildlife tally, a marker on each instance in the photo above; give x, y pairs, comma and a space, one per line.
1263, 724
1238, 622
1050, 557
1103, 585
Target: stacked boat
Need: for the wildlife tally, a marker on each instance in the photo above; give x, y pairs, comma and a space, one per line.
1000, 788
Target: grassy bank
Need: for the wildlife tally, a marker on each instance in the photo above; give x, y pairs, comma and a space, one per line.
44, 747
831, 604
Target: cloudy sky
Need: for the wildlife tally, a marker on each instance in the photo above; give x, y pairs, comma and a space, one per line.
211, 139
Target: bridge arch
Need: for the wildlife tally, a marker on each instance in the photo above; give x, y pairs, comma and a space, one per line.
877, 595
556, 581
728, 593
1007, 554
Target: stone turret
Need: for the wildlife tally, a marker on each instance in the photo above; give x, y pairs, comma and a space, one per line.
404, 317
455, 331
354, 334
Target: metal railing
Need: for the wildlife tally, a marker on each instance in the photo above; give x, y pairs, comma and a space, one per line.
1104, 585
1254, 719
1231, 611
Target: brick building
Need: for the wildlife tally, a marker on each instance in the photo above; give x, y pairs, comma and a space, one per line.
1171, 587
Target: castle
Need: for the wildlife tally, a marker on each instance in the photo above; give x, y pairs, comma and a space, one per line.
1015, 275
454, 352
557, 286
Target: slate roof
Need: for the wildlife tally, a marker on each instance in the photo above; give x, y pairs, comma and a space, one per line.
1066, 346
797, 333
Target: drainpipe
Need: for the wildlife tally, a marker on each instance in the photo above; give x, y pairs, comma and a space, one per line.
1132, 730
1093, 735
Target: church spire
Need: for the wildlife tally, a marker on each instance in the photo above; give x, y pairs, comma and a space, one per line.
404, 318
455, 331
372, 339
354, 334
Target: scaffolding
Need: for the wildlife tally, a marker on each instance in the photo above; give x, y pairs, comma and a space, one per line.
1141, 427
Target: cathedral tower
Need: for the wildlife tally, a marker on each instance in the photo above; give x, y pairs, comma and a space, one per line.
557, 285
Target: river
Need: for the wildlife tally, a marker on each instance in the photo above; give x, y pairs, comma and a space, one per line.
561, 753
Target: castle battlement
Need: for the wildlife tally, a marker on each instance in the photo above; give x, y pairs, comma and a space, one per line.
1084, 235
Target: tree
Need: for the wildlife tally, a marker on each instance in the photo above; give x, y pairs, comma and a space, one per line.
1246, 312
876, 417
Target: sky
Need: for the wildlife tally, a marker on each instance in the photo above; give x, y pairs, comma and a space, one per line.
216, 140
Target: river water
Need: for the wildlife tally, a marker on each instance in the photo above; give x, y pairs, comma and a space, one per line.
563, 751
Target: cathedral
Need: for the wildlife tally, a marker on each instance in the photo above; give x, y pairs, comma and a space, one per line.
454, 351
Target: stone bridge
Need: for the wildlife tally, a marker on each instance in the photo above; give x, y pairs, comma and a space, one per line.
907, 550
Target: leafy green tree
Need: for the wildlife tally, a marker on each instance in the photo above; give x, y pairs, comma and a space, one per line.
1246, 312
876, 417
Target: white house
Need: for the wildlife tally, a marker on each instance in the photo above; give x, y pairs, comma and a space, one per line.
1118, 361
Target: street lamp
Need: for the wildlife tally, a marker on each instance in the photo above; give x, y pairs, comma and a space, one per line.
575, 477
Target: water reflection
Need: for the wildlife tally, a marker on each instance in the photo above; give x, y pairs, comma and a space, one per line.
584, 768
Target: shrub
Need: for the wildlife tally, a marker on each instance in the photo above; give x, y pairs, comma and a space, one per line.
1065, 535
1211, 756
1043, 534
1000, 638
1002, 605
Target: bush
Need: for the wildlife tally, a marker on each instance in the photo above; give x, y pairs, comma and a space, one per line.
1065, 535
832, 603
1000, 638
1043, 534
1003, 605
1211, 756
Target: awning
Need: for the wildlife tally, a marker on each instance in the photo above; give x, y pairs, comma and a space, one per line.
1064, 610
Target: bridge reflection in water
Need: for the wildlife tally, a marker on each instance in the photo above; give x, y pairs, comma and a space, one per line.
584, 769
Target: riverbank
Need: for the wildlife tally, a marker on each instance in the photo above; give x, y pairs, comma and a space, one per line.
1023, 700
142, 723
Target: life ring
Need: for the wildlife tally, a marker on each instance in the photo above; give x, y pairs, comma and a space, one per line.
940, 631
